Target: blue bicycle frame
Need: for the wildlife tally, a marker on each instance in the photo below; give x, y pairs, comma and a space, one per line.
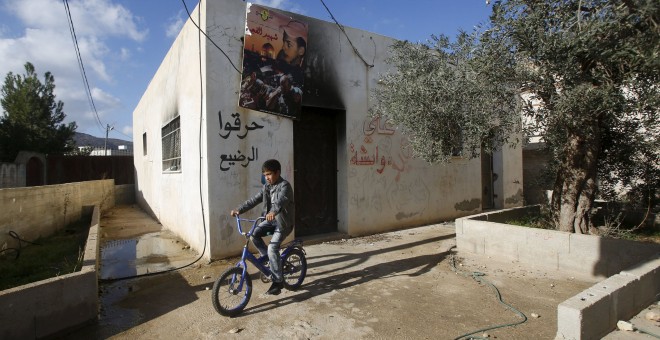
231, 294
261, 261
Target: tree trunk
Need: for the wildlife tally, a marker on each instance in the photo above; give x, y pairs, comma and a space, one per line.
575, 185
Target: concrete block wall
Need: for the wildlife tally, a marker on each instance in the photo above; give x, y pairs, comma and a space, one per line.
594, 312
35, 212
630, 271
587, 257
46, 308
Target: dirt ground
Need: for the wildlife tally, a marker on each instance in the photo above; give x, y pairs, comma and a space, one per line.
397, 285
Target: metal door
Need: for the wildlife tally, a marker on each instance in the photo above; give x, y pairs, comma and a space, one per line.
315, 159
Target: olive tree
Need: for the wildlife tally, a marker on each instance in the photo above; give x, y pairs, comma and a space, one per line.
581, 73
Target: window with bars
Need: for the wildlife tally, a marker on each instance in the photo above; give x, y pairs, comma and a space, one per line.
171, 137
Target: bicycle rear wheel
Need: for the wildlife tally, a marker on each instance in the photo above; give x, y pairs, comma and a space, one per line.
228, 300
294, 269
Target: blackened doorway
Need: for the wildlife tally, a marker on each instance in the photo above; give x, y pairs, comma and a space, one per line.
315, 166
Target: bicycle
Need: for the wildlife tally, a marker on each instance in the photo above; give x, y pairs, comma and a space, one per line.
232, 291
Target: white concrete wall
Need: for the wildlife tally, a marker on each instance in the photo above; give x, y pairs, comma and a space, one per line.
394, 192
508, 185
174, 198
232, 184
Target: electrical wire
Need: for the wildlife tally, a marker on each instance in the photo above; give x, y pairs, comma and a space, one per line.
81, 66
341, 27
201, 128
478, 276
209, 38
15, 236
125, 135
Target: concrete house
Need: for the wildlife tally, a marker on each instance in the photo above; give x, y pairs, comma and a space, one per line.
200, 143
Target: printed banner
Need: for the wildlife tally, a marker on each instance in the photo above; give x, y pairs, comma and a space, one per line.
273, 62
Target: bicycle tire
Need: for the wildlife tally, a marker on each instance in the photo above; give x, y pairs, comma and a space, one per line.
294, 269
226, 299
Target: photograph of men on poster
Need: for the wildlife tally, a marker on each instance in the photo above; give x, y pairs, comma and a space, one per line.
273, 62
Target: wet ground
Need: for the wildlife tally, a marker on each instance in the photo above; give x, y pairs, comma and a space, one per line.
407, 284
133, 244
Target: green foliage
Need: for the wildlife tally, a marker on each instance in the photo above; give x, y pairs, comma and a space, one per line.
584, 74
52, 256
593, 66
32, 118
448, 96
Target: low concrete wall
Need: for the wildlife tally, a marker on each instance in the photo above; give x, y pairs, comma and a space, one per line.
48, 307
594, 312
631, 269
587, 257
35, 212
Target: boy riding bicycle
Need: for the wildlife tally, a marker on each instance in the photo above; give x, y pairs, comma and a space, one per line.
278, 208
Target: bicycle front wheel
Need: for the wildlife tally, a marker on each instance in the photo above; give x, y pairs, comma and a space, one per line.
231, 292
294, 269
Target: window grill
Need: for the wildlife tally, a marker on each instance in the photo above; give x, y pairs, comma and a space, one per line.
171, 136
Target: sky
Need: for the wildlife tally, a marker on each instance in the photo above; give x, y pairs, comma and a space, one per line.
123, 42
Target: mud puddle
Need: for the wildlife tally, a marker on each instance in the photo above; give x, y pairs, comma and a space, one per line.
143, 254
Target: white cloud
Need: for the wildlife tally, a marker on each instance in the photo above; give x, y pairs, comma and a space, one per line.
286, 5
174, 24
125, 54
40, 34
127, 130
90, 17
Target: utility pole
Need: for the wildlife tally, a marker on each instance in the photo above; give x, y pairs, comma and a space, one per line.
107, 129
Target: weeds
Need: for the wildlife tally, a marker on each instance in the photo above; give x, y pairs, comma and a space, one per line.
611, 226
540, 221
59, 254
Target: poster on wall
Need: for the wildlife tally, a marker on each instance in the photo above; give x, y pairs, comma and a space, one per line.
273, 62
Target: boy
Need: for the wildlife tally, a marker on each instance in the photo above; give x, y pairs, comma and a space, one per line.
278, 207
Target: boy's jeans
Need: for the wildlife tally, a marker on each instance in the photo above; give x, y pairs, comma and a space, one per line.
273, 250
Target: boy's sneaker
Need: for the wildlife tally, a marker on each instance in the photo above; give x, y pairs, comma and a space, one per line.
275, 288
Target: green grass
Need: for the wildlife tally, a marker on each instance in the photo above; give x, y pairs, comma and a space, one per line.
52, 256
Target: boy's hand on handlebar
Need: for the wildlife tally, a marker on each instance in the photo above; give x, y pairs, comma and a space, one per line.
234, 213
270, 216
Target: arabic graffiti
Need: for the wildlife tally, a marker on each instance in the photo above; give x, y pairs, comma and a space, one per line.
384, 127
379, 158
229, 160
363, 157
237, 126
238, 158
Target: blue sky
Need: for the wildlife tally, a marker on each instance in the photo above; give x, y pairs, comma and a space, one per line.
122, 42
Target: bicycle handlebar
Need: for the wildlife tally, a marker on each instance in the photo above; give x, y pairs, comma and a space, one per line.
254, 224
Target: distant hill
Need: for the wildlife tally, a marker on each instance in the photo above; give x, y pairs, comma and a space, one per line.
83, 139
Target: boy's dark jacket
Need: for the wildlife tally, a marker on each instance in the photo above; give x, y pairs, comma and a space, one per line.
280, 196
